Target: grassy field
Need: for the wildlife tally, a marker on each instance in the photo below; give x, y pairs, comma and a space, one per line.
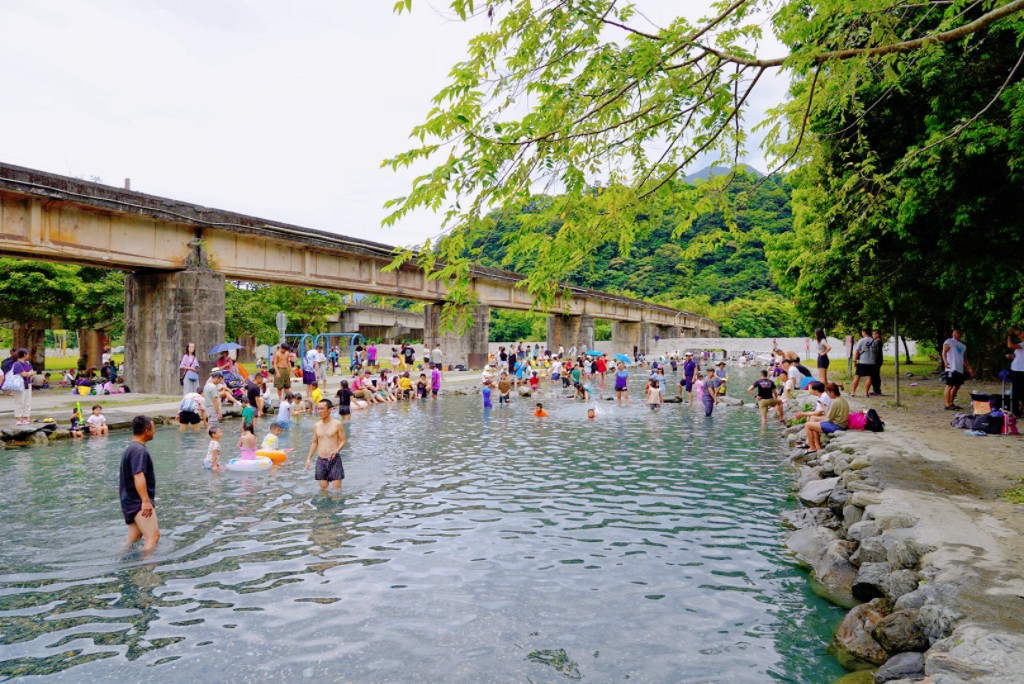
63, 363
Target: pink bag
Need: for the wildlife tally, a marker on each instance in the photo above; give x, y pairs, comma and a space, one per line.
857, 421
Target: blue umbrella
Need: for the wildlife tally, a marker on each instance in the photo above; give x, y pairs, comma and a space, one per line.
225, 346
623, 358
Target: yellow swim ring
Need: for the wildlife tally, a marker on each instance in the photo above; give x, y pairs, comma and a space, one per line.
275, 456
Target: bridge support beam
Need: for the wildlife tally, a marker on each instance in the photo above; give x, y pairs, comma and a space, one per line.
162, 313
468, 348
569, 332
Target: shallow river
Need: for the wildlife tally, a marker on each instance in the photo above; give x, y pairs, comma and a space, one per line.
467, 546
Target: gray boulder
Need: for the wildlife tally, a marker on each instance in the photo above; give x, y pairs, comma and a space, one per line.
800, 518
838, 498
902, 553
816, 493
898, 583
833, 575
810, 544
871, 550
852, 515
870, 581
902, 666
863, 530
899, 632
937, 621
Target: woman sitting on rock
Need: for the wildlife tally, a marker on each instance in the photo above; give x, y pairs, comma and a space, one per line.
836, 419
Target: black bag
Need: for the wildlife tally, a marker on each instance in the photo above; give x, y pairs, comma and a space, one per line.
963, 421
990, 423
873, 423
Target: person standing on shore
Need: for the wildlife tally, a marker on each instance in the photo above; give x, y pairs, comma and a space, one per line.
23, 372
138, 486
876, 370
823, 348
954, 363
328, 441
1016, 371
863, 358
436, 357
281, 365
189, 370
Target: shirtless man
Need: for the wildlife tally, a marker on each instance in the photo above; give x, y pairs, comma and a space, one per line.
328, 441
282, 370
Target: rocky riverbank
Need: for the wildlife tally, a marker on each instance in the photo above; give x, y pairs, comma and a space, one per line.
907, 561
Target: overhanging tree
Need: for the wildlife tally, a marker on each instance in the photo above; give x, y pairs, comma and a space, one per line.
556, 94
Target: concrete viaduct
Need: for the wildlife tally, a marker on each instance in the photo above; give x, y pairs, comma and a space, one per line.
179, 254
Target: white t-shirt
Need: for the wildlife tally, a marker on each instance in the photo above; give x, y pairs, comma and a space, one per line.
96, 420
824, 402
1018, 358
284, 414
793, 374
311, 359
954, 357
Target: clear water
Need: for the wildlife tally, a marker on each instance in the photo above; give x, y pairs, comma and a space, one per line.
466, 547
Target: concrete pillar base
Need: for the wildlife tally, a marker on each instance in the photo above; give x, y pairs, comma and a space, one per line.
569, 332
468, 348
162, 313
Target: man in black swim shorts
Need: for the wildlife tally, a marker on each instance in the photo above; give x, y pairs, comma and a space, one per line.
328, 441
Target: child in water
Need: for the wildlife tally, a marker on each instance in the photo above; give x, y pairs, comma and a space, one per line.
591, 414
421, 386
539, 412
270, 441
248, 411
77, 429
247, 442
654, 394
212, 459
504, 389
486, 392
97, 421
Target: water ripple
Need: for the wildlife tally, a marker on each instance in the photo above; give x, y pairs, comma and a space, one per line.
468, 546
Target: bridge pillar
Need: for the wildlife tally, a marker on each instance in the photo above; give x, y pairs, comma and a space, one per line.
162, 313
90, 347
569, 332
468, 348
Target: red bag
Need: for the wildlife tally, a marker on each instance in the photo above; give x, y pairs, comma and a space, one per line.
857, 421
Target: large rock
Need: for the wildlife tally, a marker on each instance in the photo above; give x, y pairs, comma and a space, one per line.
816, 493
833, 575
870, 550
902, 666
806, 474
937, 621
810, 544
852, 515
899, 582
838, 498
809, 517
899, 632
902, 553
730, 401
862, 530
940, 593
870, 581
853, 646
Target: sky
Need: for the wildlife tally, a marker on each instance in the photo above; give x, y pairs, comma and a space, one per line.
279, 110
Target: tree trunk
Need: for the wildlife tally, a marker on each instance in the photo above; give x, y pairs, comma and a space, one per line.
32, 336
906, 350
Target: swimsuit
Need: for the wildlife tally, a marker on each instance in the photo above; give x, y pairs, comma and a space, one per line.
247, 454
330, 468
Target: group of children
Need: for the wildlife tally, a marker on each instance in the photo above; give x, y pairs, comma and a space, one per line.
246, 443
95, 424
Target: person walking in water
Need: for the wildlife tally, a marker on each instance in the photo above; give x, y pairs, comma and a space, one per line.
281, 365
328, 441
138, 486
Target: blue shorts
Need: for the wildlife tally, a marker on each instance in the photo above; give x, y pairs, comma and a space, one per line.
828, 427
283, 425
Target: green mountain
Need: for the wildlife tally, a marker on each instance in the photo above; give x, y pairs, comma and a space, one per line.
709, 171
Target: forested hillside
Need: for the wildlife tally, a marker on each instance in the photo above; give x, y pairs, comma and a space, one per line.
712, 268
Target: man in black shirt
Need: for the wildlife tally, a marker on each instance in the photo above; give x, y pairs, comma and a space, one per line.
138, 486
767, 397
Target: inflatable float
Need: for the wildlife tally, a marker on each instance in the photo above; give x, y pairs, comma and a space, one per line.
249, 465
275, 456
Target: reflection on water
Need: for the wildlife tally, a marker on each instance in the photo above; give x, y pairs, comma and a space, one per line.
466, 546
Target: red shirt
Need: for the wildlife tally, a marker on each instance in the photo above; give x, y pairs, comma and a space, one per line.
534, 381
601, 365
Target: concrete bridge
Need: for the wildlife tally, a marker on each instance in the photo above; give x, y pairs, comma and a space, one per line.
178, 255
377, 322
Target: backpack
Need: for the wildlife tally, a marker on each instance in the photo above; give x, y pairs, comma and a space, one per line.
962, 421
857, 421
873, 422
990, 423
